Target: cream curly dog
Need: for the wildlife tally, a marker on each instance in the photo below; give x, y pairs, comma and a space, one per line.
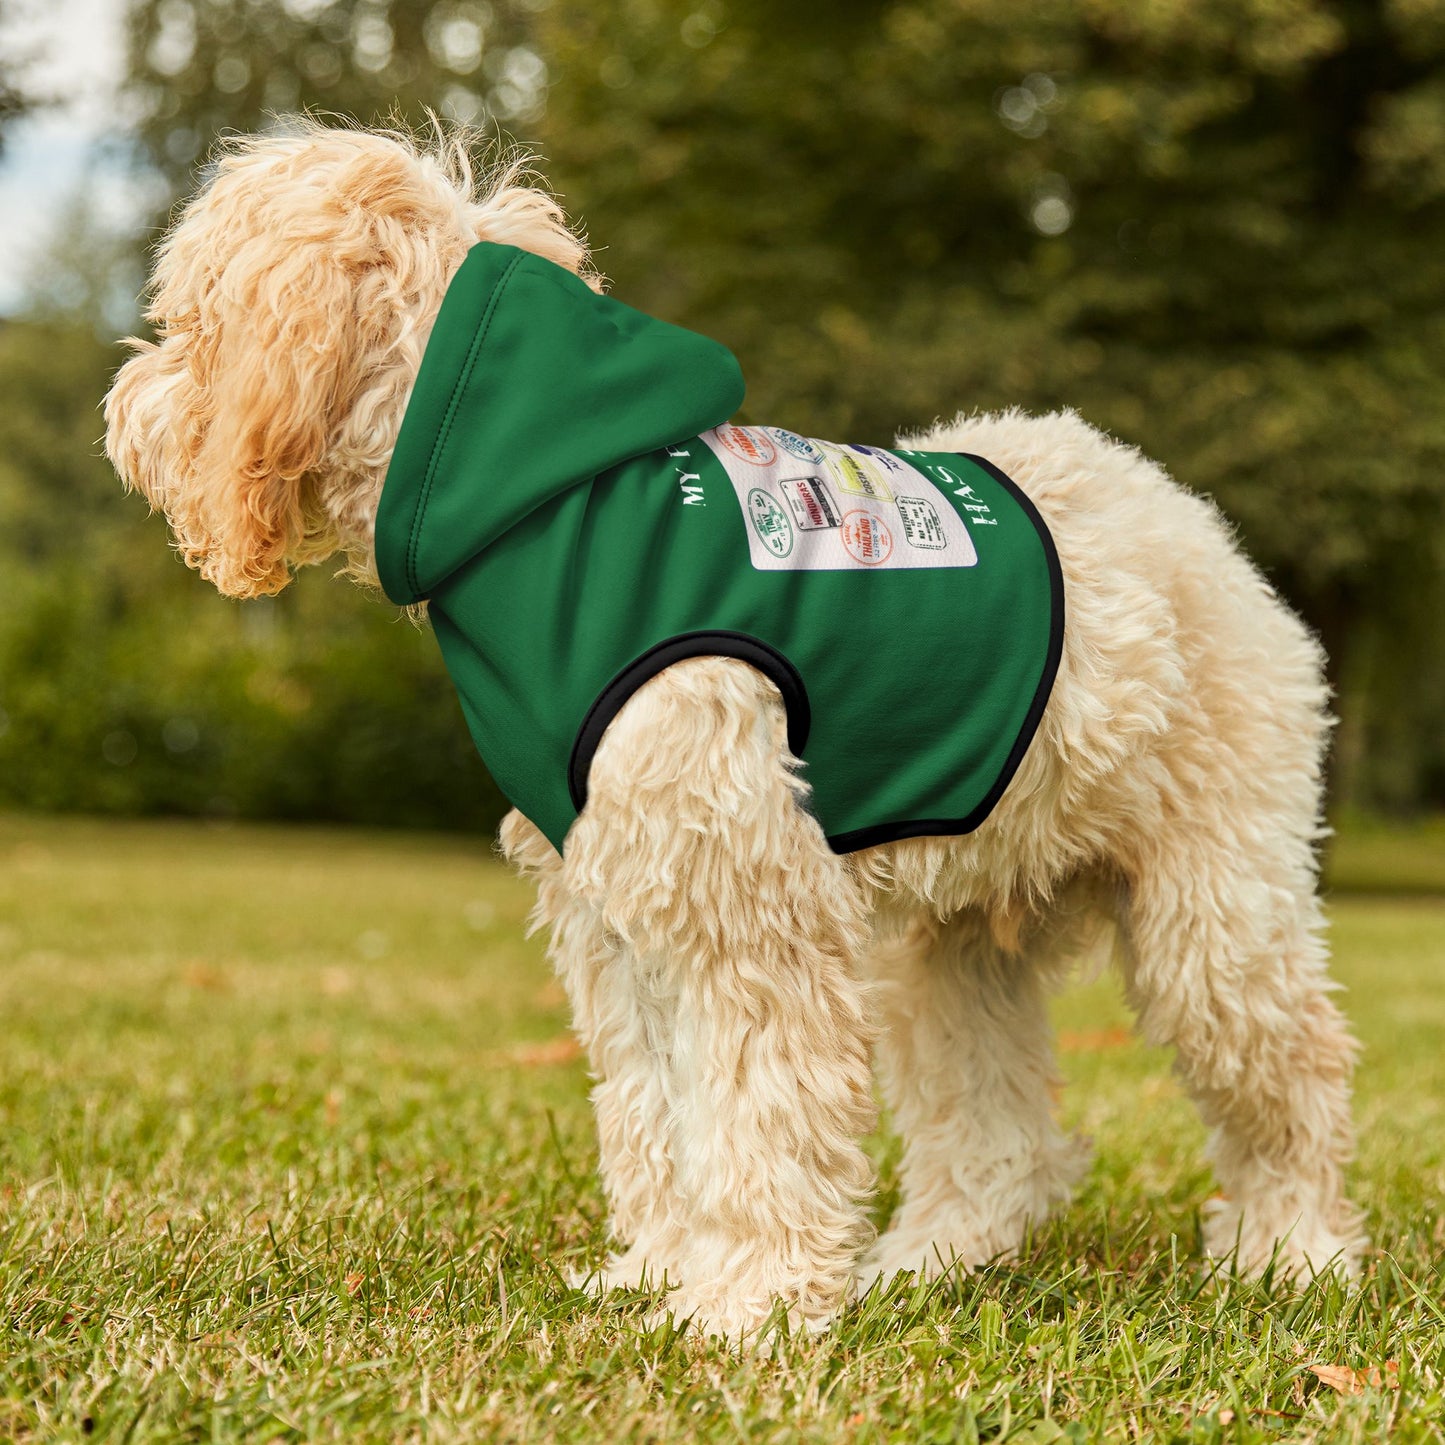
730, 975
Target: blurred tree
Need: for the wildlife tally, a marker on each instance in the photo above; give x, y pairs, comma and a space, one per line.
127, 685
1216, 229
15, 97
202, 67
58, 496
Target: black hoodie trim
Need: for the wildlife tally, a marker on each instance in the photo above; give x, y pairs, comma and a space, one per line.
740, 645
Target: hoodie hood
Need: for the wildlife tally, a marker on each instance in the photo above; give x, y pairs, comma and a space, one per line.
531, 384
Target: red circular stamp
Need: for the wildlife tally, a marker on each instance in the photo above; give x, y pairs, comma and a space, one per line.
750, 443
867, 539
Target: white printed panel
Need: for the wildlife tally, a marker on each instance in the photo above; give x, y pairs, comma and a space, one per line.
816, 506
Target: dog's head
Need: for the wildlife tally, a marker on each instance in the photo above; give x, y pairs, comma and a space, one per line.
292, 300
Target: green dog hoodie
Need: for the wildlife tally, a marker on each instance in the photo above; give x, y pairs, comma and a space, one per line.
570, 498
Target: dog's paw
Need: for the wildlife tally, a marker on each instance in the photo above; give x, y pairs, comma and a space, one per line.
965, 1228
757, 1325
896, 1254
632, 1270
1298, 1245
959, 1243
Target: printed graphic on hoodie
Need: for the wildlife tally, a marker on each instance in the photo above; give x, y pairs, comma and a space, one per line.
817, 506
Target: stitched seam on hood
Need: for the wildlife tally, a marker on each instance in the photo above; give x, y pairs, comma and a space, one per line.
414, 541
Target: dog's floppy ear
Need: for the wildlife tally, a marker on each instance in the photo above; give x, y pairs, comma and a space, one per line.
292, 302
223, 422
274, 354
286, 301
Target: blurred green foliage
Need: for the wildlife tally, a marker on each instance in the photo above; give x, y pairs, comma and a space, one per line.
127, 686
1214, 227
15, 97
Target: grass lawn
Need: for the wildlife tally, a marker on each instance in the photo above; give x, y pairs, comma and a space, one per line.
293, 1146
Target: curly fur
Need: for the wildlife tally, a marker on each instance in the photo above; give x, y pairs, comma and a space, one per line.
292, 301
729, 975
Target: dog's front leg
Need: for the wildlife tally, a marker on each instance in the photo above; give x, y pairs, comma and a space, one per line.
622, 1013
741, 929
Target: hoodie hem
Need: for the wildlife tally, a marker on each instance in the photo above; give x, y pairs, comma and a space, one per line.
776, 667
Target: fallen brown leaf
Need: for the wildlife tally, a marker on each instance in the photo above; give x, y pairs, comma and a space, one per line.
1347, 1381
560, 1050
1096, 1041
354, 1283
335, 982
202, 975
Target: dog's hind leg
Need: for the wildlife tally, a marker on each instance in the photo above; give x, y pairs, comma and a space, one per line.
696, 855
966, 1060
1225, 960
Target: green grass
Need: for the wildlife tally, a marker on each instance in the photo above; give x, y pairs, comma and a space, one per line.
285, 1154
1374, 856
